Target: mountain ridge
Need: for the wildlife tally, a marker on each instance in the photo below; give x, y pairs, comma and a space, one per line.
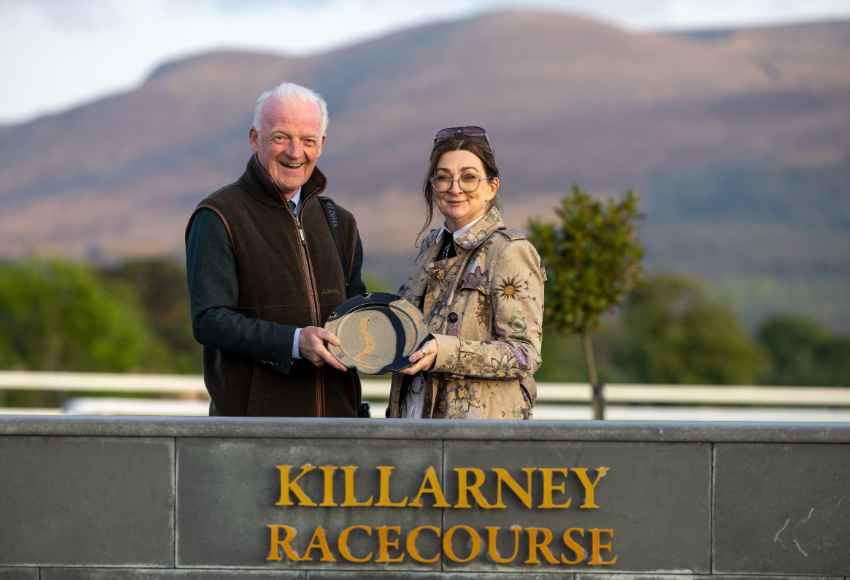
566, 99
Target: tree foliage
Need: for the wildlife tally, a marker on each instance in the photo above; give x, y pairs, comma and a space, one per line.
675, 334
159, 286
59, 316
803, 353
592, 258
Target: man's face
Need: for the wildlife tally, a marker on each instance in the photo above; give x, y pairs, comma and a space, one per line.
288, 142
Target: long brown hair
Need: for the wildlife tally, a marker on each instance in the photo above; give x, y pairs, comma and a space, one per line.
477, 147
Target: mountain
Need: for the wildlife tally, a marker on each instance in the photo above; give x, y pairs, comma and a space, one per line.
737, 140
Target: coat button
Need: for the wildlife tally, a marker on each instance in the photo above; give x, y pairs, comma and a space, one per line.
452, 317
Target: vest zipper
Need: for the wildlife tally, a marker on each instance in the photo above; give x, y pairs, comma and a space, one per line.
314, 310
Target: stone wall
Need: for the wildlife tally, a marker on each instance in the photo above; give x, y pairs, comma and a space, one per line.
132, 498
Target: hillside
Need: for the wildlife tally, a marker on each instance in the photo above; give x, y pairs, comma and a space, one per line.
738, 141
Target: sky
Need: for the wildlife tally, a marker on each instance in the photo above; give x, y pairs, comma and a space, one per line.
56, 54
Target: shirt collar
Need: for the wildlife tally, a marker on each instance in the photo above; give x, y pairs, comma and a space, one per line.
460, 232
296, 198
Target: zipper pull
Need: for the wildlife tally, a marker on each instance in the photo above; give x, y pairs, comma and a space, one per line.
301, 231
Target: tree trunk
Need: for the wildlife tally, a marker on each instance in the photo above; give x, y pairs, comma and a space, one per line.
597, 387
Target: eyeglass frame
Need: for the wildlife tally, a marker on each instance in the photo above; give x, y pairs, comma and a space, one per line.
457, 179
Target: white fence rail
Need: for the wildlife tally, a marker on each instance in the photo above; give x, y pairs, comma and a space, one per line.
187, 396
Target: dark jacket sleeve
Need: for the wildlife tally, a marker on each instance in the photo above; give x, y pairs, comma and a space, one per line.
214, 298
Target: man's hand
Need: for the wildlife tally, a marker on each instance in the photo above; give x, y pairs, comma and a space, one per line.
311, 344
423, 359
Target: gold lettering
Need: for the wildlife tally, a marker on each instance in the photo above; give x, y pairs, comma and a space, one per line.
384, 544
475, 541
596, 546
328, 477
414, 551
534, 545
319, 541
350, 492
589, 487
276, 543
287, 486
345, 551
572, 544
384, 500
493, 550
549, 487
522, 494
464, 488
430, 484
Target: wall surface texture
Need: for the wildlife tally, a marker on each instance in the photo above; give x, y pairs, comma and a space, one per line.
214, 498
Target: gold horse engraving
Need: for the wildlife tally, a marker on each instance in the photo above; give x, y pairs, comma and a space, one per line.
369, 343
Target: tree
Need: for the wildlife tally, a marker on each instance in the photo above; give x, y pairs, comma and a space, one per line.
804, 353
159, 286
58, 316
675, 334
592, 260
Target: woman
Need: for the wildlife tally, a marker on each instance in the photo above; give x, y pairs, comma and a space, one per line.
480, 286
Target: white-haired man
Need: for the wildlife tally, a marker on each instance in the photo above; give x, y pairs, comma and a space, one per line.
268, 260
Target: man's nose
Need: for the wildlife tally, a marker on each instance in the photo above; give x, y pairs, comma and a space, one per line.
294, 149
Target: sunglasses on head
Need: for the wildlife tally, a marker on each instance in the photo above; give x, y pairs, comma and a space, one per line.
472, 131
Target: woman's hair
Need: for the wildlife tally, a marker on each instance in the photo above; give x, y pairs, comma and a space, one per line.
477, 147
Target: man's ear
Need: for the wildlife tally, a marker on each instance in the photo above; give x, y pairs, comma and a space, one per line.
254, 139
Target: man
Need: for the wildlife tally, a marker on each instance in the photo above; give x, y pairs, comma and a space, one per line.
267, 262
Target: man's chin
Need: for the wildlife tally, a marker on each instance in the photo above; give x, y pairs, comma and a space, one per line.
290, 185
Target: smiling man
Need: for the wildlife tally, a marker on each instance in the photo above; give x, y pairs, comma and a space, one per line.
268, 260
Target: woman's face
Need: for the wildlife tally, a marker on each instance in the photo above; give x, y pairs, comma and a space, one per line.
457, 206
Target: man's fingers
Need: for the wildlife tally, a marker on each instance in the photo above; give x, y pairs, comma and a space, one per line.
330, 359
313, 339
327, 336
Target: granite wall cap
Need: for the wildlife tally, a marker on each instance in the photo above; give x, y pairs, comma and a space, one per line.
251, 427
164, 574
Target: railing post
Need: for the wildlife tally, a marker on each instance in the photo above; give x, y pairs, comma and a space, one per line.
598, 400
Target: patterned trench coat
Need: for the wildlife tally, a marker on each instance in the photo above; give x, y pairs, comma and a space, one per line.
485, 310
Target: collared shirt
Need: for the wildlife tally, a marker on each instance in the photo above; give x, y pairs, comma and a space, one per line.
447, 247
461, 231
296, 199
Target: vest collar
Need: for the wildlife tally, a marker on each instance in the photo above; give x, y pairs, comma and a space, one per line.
264, 190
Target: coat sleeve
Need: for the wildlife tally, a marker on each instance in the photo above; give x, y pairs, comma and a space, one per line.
516, 296
214, 295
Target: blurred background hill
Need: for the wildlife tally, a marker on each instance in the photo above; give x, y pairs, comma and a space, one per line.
738, 141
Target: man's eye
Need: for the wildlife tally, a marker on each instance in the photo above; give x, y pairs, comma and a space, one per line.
309, 143
278, 138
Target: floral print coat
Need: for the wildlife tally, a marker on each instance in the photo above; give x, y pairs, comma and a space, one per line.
485, 310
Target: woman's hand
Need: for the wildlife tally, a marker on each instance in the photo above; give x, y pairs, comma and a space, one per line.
423, 359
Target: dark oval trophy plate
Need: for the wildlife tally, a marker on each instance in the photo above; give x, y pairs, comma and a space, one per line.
377, 332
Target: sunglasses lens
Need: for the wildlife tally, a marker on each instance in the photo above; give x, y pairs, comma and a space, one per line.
469, 131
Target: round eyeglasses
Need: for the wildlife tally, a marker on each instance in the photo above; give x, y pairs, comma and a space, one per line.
467, 182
